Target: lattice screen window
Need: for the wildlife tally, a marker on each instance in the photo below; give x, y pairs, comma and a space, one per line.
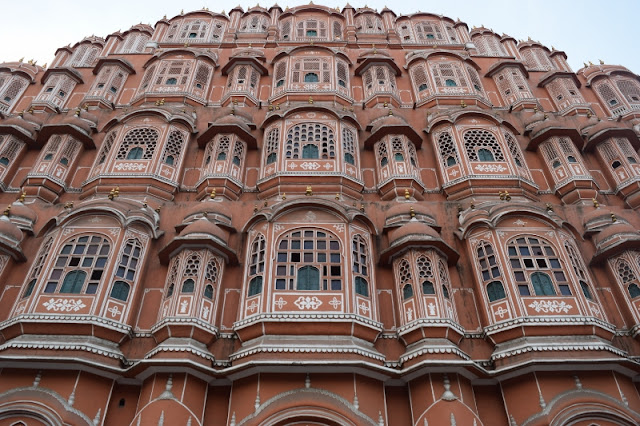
516, 153
238, 153
194, 30
255, 265
537, 269
443, 273
273, 141
279, 76
190, 274
406, 279
425, 275
134, 42
172, 277
109, 82
482, 145
311, 28
475, 80
201, 79
148, 77
428, 32
580, 270
173, 72
630, 89
490, 271
361, 268
285, 30
106, 147
10, 147
126, 270
448, 74
348, 146
568, 149
536, 58
383, 156
451, 33
610, 97
308, 259
412, 154
37, 268
138, 144
447, 150
71, 149
84, 56
564, 92
420, 79
405, 32
51, 148
79, 266
337, 30
243, 78
173, 148
379, 79
628, 277
57, 89
211, 278
618, 152
311, 70
254, 24
343, 74
310, 140
489, 45
4, 77
369, 24
11, 91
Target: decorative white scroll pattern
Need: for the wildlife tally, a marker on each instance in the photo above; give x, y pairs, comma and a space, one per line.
130, 166
114, 311
490, 168
550, 306
308, 302
64, 305
310, 165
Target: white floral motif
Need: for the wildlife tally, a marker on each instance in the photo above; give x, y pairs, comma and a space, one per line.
253, 306
501, 311
280, 302
335, 302
114, 311
409, 314
490, 168
364, 308
431, 307
328, 166
339, 227
205, 312
183, 306
307, 302
550, 306
310, 165
64, 305
310, 216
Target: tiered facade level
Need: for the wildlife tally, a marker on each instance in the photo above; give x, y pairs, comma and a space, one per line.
318, 217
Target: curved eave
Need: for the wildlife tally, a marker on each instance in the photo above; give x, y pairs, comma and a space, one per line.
393, 129
291, 51
66, 129
453, 117
75, 75
371, 60
182, 50
281, 114
627, 243
612, 132
250, 60
21, 133
125, 215
498, 66
311, 8
552, 75
205, 241
28, 74
558, 52
419, 241
114, 61
547, 132
427, 55
235, 129
599, 73
14, 251
187, 120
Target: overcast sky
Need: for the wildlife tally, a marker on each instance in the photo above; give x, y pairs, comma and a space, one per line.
587, 30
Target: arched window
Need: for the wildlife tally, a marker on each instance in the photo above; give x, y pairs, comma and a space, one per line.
173, 148
256, 265
489, 269
120, 291
579, 269
188, 286
208, 292
135, 153
311, 77
529, 256
495, 291
482, 145
407, 292
428, 288
308, 259
80, 266
628, 278
302, 137
447, 149
143, 138
37, 267
171, 81
360, 260
273, 141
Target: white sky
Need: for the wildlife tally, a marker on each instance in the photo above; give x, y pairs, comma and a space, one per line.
587, 30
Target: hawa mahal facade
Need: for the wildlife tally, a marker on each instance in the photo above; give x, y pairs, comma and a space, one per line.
315, 216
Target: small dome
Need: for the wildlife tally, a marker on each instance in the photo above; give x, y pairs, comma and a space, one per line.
22, 125
535, 118
617, 232
18, 209
10, 232
419, 230
83, 125
551, 122
204, 226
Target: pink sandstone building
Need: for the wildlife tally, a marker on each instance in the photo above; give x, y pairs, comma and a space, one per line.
316, 216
